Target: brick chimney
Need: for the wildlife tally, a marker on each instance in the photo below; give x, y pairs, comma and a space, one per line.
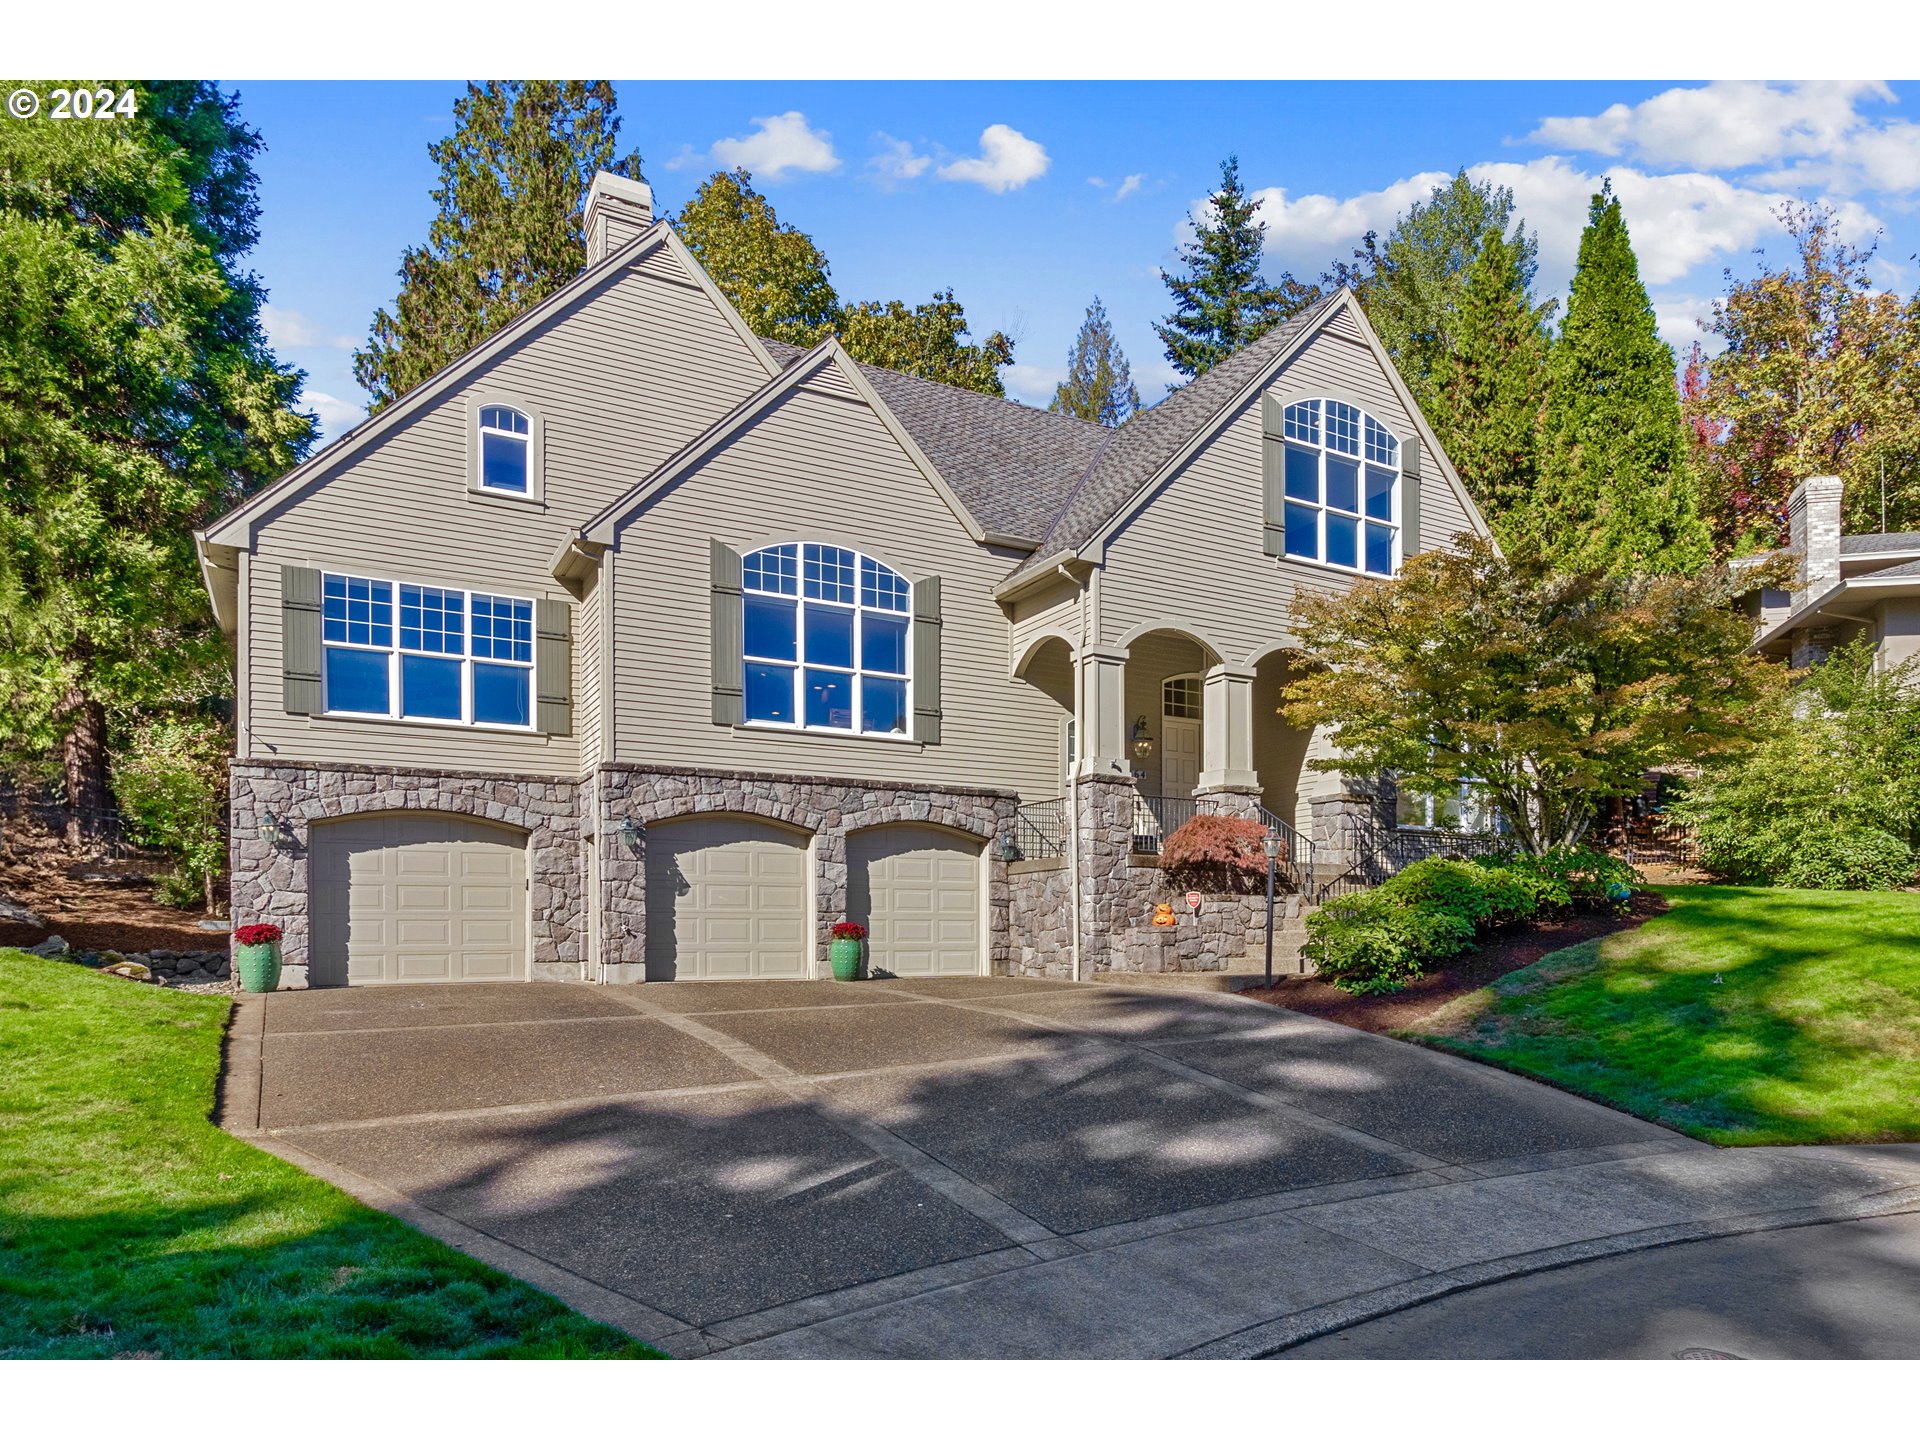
1813, 527
617, 210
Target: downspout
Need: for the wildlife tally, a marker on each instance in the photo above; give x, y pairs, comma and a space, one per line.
1073, 774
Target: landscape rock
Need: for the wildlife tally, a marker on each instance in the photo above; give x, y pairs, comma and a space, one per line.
51, 946
16, 912
129, 970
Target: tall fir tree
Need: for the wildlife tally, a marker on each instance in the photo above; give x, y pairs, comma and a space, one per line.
1413, 287
1099, 384
1489, 387
138, 400
1222, 301
773, 274
1616, 491
513, 187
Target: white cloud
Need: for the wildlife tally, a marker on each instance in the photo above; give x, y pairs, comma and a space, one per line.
1128, 186
336, 416
1811, 132
782, 143
897, 160
1678, 221
290, 330
1033, 384
1007, 160
1680, 318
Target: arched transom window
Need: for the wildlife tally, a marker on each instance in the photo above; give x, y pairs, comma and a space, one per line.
826, 640
1342, 487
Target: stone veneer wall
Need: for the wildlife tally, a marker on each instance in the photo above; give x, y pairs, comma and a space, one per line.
271, 878
828, 809
1039, 919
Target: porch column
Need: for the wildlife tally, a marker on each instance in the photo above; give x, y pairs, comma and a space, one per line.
1226, 741
1103, 701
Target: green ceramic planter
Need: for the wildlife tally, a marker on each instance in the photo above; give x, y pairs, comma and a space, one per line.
259, 966
844, 956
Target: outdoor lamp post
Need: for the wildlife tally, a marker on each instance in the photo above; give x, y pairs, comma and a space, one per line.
1270, 842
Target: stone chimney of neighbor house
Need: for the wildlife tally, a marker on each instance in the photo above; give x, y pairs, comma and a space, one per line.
617, 210
1813, 527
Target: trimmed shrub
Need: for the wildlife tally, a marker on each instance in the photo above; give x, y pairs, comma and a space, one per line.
1217, 852
1452, 886
1852, 859
1374, 943
1579, 878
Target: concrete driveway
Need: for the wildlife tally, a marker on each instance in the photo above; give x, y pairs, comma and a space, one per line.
973, 1167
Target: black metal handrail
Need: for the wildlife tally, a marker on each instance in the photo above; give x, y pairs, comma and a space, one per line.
1157, 816
1040, 830
1298, 866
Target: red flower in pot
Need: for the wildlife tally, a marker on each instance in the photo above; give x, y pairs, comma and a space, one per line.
844, 953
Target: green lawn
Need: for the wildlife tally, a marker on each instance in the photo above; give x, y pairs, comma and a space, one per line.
130, 1225
1741, 1016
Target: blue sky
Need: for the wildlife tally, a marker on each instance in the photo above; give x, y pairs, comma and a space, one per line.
1029, 198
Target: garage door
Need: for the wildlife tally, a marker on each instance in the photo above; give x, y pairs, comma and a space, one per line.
406, 899
726, 900
918, 894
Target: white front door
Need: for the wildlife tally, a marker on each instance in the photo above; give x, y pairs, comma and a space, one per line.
1180, 760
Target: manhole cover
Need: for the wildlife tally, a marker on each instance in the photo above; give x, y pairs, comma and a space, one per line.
1701, 1352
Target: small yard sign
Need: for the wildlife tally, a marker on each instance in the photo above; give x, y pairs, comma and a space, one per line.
1193, 901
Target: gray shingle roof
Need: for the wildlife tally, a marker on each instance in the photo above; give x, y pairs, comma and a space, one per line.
1149, 439
1911, 567
1879, 544
1011, 465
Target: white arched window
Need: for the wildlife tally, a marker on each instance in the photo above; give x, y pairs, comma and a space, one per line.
1342, 487
506, 445
826, 640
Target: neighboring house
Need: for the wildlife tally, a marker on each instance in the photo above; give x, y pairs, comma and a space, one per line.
631, 646
1848, 587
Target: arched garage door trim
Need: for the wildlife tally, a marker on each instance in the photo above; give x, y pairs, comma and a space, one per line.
729, 897
920, 889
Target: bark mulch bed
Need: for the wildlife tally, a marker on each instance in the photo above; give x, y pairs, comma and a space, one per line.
94, 905
1382, 1014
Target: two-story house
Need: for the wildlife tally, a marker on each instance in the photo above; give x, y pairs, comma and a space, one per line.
631, 646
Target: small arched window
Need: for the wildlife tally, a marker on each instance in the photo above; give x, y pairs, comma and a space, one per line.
506, 444
1342, 487
826, 640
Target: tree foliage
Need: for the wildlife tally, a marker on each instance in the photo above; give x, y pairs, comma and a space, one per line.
1489, 387
1099, 384
1834, 765
514, 177
1414, 287
773, 274
1222, 301
1819, 374
1616, 487
138, 399
171, 781
928, 340
1553, 692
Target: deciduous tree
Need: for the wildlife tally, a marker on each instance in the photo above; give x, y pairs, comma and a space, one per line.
513, 188
1099, 384
1222, 301
773, 274
1554, 692
928, 340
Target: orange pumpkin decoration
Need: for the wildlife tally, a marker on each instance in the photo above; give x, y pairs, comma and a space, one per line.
1163, 915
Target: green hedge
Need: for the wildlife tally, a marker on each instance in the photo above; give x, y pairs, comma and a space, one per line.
1377, 941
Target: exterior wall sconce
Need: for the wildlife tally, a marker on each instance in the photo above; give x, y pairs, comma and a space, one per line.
273, 829
1009, 847
630, 835
1142, 741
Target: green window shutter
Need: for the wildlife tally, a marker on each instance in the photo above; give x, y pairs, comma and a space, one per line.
1273, 478
1410, 497
299, 640
553, 666
729, 671
926, 660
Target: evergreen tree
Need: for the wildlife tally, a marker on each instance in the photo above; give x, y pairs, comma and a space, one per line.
1489, 386
1413, 287
773, 274
513, 188
138, 400
1616, 490
1099, 384
1223, 303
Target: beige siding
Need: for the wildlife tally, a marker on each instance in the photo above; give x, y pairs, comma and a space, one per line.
619, 380
1899, 631
1192, 555
588, 674
819, 465
1053, 609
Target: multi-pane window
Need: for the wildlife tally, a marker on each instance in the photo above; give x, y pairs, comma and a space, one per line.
1180, 697
426, 652
506, 442
1342, 487
826, 640
1467, 807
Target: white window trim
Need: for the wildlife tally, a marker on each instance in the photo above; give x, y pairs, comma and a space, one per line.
1321, 508
536, 491
800, 600
466, 658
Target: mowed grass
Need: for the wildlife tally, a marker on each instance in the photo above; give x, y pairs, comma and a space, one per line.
131, 1226
1741, 1016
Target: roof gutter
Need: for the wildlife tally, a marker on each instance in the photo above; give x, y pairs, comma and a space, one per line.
1045, 572
220, 573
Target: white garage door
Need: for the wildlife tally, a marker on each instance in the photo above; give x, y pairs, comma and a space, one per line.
726, 900
918, 893
406, 899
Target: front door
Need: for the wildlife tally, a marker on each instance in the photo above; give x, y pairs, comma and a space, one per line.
1180, 736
